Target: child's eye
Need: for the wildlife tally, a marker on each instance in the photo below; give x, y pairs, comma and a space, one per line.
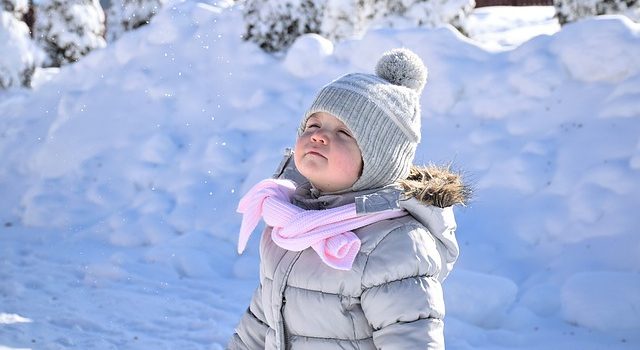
345, 133
309, 126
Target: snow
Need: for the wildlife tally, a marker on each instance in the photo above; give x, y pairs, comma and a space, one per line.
120, 174
587, 303
480, 299
13, 318
305, 58
499, 27
589, 68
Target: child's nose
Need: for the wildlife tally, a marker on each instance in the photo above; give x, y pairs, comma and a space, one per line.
319, 136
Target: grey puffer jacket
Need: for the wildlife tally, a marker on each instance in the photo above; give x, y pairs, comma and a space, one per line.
391, 298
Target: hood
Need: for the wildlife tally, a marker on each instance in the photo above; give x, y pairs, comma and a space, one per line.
428, 194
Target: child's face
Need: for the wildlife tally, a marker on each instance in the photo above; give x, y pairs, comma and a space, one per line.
327, 154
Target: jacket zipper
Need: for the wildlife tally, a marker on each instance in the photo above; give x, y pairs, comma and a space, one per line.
283, 336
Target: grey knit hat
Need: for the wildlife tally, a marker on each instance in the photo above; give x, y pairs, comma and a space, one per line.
383, 113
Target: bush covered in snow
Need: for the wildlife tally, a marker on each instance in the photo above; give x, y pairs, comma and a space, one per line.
423, 13
126, 15
569, 11
274, 25
17, 7
19, 56
68, 29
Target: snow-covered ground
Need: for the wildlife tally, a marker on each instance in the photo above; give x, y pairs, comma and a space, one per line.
504, 27
119, 177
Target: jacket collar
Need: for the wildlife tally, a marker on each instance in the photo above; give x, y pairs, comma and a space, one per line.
307, 197
440, 222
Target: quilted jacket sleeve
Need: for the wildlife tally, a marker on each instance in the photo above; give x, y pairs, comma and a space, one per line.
250, 332
402, 298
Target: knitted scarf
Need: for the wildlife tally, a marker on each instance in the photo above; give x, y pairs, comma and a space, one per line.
327, 232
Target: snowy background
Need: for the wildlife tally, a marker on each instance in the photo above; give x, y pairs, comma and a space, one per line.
119, 177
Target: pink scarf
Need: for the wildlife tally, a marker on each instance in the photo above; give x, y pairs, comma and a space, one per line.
327, 232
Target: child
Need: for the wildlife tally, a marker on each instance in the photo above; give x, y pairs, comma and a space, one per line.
354, 255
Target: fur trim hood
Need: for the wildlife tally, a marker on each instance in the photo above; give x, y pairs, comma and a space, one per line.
435, 185
429, 194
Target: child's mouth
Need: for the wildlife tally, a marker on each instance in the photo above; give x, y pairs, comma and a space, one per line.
314, 153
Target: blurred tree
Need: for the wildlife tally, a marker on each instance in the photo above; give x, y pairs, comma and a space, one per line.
17, 7
126, 15
568, 11
19, 56
274, 25
68, 29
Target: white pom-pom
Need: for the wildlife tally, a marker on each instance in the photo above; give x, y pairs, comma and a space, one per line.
402, 67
